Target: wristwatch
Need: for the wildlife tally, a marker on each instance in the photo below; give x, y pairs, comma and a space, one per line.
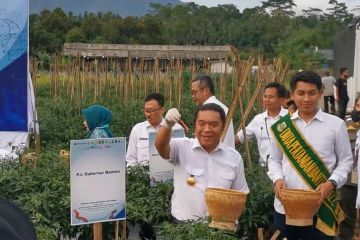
333, 182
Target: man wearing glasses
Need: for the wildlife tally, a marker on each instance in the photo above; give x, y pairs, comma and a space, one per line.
203, 92
138, 147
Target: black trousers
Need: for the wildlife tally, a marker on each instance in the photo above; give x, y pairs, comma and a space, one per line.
342, 104
330, 99
298, 233
347, 202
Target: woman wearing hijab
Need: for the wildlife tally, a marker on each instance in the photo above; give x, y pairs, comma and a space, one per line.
96, 120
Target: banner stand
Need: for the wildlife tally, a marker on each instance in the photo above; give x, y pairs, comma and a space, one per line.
123, 224
124, 229
116, 230
97, 227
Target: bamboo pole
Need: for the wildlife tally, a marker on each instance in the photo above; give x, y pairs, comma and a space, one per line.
276, 235
127, 81
241, 76
246, 144
260, 81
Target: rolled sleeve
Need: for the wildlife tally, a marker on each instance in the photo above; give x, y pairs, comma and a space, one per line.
174, 151
250, 132
229, 139
344, 157
240, 180
275, 162
131, 155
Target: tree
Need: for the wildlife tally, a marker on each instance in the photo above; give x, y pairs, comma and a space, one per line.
130, 29
284, 6
90, 26
339, 12
75, 35
150, 31
111, 31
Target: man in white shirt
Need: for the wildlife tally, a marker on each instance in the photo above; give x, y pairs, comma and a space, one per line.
328, 139
203, 92
138, 146
328, 82
259, 127
200, 162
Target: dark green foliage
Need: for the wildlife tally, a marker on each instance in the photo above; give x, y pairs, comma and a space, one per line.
43, 192
259, 206
193, 230
145, 203
253, 31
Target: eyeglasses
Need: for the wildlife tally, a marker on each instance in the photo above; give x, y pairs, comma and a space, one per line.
149, 110
194, 92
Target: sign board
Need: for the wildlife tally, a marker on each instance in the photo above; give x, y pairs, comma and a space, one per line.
14, 65
97, 180
160, 170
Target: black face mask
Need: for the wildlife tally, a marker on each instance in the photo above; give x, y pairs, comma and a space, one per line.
355, 116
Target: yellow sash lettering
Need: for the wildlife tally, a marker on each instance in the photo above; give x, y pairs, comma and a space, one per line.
300, 155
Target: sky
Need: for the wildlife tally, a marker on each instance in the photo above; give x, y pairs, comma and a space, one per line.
301, 4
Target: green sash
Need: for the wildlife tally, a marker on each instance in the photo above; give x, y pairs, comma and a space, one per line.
310, 168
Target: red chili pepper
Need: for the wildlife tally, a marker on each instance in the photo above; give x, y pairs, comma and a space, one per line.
186, 128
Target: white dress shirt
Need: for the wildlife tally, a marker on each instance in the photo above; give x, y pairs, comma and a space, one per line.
222, 168
328, 83
229, 139
356, 150
138, 146
259, 129
328, 136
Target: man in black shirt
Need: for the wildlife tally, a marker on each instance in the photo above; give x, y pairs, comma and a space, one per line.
341, 93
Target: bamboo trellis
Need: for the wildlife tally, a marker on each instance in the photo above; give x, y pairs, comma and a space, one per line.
132, 79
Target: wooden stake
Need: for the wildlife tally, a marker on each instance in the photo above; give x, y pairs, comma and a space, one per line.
97, 229
117, 230
123, 223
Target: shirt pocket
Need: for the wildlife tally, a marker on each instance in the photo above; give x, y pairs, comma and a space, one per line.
143, 151
222, 179
197, 173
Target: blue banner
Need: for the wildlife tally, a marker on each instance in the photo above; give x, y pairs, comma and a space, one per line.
13, 65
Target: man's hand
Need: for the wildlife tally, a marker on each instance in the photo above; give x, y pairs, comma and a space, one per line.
172, 116
278, 186
325, 189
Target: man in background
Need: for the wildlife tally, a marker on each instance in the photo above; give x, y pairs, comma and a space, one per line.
328, 82
341, 93
286, 99
138, 147
259, 127
203, 92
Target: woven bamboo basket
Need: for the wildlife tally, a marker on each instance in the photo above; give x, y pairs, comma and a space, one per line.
225, 207
300, 206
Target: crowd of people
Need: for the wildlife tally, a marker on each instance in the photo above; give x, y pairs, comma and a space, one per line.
210, 161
